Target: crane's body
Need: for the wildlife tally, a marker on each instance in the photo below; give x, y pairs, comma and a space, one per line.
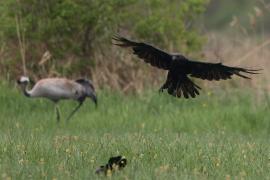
56, 89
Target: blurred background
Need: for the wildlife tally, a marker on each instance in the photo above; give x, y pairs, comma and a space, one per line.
72, 38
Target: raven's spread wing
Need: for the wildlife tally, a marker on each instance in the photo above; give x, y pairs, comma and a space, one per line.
148, 53
216, 71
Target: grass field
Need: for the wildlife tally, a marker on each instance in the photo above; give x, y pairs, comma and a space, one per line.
221, 135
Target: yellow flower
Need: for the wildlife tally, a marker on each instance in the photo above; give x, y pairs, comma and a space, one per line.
109, 173
60, 167
142, 125
21, 161
243, 174
163, 169
76, 138
6, 177
41, 161
115, 167
218, 162
68, 150
44, 174
17, 125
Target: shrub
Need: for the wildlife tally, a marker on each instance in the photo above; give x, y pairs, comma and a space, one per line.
73, 30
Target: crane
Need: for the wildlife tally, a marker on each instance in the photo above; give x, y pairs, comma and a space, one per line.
56, 89
181, 68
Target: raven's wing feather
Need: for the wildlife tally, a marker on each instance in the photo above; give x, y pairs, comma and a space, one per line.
216, 71
148, 53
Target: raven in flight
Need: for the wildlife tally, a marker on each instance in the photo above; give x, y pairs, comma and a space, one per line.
179, 68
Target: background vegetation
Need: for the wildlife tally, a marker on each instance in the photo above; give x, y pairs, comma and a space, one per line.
253, 15
77, 34
72, 38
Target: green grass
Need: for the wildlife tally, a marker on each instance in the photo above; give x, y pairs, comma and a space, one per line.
217, 136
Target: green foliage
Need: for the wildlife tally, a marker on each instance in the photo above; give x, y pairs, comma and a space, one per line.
217, 136
78, 28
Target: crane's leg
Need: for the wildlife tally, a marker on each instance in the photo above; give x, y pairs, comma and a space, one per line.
75, 110
57, 113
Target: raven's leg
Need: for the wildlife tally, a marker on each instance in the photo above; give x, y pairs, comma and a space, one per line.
75, 110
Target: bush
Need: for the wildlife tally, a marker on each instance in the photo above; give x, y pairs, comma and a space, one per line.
76, 29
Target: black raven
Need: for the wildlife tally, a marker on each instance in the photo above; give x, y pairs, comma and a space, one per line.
179, 68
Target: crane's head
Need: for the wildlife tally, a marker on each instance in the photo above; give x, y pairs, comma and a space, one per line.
23, 80
89, 89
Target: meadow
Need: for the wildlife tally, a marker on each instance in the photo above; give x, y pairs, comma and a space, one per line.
219, 135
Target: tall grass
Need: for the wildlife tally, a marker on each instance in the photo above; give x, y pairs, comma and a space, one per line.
216, 136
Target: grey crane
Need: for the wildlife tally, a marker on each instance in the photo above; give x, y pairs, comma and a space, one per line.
56, 89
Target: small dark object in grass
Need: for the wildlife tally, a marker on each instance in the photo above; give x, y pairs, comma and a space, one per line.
114, 164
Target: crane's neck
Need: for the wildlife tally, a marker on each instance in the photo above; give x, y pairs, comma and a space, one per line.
26, 92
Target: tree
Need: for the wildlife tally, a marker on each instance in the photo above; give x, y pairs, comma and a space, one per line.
78, 28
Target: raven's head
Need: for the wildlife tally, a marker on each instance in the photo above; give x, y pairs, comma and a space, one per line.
177, 56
